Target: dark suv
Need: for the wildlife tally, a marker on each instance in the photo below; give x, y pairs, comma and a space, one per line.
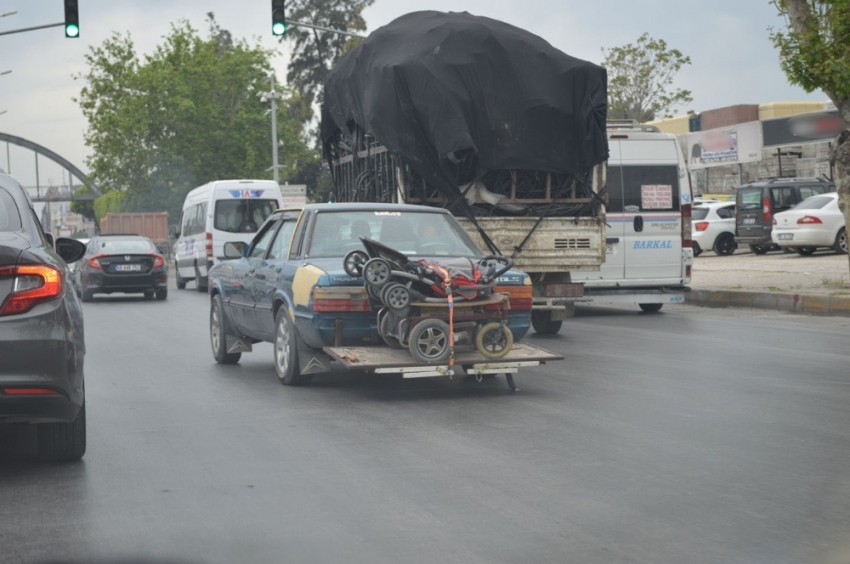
758, 201
41, 330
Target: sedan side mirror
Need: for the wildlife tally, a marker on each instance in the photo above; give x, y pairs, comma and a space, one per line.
234, 250
70, 250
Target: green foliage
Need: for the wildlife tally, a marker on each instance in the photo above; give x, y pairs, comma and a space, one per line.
314, 53
84, 207
640, 77
111, 202
815, 50
187, 114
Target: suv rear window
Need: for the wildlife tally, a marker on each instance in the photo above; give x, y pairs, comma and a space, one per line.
10, 219
699, 213
749, 198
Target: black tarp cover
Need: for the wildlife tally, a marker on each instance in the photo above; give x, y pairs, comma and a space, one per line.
430, 85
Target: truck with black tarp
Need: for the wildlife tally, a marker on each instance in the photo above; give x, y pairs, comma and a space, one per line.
489, 121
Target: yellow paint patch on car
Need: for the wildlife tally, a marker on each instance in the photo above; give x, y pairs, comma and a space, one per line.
305, 278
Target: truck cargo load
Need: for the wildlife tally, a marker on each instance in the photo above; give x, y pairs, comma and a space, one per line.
153, 225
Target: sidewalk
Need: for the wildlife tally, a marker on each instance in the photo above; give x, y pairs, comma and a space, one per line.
819, 284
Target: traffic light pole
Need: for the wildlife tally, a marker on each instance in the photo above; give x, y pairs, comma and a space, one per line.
11, 31
328, 29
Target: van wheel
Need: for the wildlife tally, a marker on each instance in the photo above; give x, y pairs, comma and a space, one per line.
725, 244
543, 323
651, 308
181, 282
804, 251
841, 245
759, 249
218, 334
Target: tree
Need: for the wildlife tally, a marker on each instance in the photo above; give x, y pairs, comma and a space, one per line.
814, 52
182, 116
640, 77
84, 207
314, 53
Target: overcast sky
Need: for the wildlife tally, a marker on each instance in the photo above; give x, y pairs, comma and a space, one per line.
733, 59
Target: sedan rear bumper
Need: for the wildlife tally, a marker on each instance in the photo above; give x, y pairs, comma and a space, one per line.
803, 238
99, 282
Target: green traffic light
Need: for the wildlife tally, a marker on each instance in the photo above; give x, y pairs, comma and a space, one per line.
278, 28
72, 30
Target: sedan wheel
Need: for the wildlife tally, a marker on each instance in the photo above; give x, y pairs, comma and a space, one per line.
218, 332
63, 442
841, 246
285, 351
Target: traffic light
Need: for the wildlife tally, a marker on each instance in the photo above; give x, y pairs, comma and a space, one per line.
72, 19
278, 17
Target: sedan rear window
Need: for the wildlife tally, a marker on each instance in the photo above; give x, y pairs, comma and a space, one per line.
813, 203
699, 213
124, 246
10, 219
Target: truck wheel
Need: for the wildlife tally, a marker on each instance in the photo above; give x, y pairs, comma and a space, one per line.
218, 332
651, 308
429, 341
494, 340
181, 282
63, 442
286, 352
543, 323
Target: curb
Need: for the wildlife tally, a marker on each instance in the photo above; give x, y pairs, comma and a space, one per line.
792, 303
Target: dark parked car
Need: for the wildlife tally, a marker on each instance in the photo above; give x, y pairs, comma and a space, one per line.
758, 201
127, 264
291, 288
41, 330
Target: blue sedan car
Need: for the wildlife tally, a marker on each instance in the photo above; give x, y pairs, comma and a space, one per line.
289, 286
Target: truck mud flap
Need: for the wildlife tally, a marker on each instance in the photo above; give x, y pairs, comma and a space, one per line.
384, 360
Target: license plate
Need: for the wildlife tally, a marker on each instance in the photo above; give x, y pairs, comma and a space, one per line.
128, 267
749, 220
785, 236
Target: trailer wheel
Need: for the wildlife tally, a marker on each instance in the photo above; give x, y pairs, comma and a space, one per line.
543, 323
429, 341
494, 340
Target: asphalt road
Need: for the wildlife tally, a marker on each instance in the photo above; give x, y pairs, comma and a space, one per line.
691, 436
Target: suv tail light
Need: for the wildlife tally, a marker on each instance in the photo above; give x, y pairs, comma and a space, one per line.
766, 209
158, 260
687, 241
33, 284
94, 262
341, 299
209, 245
701, 225
807, 220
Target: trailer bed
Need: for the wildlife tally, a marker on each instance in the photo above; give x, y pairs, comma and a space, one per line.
385, 360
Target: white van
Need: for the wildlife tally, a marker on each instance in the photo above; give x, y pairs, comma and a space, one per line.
649, 253
217, 213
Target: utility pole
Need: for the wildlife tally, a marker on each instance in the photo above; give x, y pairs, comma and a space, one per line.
274, 96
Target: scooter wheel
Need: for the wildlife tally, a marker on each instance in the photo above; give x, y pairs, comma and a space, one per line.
377, 272
494, 340
353, 262
429, 341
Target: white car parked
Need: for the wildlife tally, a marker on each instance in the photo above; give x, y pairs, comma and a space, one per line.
714, 228
814, 223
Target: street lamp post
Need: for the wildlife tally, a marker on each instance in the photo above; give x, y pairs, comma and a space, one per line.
274, 96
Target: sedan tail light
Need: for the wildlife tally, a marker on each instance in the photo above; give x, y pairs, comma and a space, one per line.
94, 262
808, 219
158, 260
701, 225
33, 284
341, 300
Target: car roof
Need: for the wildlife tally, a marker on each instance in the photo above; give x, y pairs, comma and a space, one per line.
359, 206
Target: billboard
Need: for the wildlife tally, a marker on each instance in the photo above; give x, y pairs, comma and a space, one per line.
800, 129
293, 194
735, 144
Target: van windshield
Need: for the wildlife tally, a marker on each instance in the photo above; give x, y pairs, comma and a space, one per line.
242, 215
749, 198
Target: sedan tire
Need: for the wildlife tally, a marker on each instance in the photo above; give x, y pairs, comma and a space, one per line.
63, 442
218, 334
162, 294
841, 245
286, 351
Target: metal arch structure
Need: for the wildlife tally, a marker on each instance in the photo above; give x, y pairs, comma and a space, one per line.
58, 159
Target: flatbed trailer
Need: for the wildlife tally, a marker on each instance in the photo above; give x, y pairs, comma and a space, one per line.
386, 360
